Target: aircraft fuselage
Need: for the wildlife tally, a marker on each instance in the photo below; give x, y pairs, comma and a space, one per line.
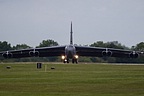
70, 53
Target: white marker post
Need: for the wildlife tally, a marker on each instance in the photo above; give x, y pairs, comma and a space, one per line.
45, 68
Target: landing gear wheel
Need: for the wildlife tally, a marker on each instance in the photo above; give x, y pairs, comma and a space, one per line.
67, 60
64, 61
74, 61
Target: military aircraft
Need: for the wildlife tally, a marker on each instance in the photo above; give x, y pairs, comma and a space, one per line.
70, 51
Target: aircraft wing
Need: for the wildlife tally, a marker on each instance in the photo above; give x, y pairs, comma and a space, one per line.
105, 52
34, 52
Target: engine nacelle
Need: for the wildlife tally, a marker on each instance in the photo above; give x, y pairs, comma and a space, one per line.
7, 55
106, 53
133, 55
34, 53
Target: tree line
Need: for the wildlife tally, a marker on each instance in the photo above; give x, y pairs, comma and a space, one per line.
4, 46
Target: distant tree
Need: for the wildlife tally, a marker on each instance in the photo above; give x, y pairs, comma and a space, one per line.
84, 59
98, 44
116, 44
139, 46
112, 44
4, 46
48, 43
97, 59
21, 46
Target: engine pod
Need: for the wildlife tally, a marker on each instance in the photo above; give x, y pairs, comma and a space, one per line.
7, 55
133, 55
107, 53
34, 53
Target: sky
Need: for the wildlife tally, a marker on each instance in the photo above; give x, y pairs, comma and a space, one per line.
31, 21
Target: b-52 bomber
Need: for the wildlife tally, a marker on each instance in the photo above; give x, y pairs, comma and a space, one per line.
70, 51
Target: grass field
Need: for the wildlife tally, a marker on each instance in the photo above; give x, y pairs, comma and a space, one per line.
71, 80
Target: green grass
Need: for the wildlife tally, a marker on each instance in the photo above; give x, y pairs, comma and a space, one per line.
71, 80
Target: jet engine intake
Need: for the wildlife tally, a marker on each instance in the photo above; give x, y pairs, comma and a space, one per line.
133, 55
106, 53
34, 53
7, 55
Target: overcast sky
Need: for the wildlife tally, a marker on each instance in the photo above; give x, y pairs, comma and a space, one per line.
31, 21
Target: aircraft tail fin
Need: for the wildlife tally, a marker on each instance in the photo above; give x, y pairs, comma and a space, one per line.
71, 35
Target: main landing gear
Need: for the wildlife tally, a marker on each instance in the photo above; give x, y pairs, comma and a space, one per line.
73, 61
66, 60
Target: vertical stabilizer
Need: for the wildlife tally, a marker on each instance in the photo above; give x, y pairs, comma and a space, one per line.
71, 37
